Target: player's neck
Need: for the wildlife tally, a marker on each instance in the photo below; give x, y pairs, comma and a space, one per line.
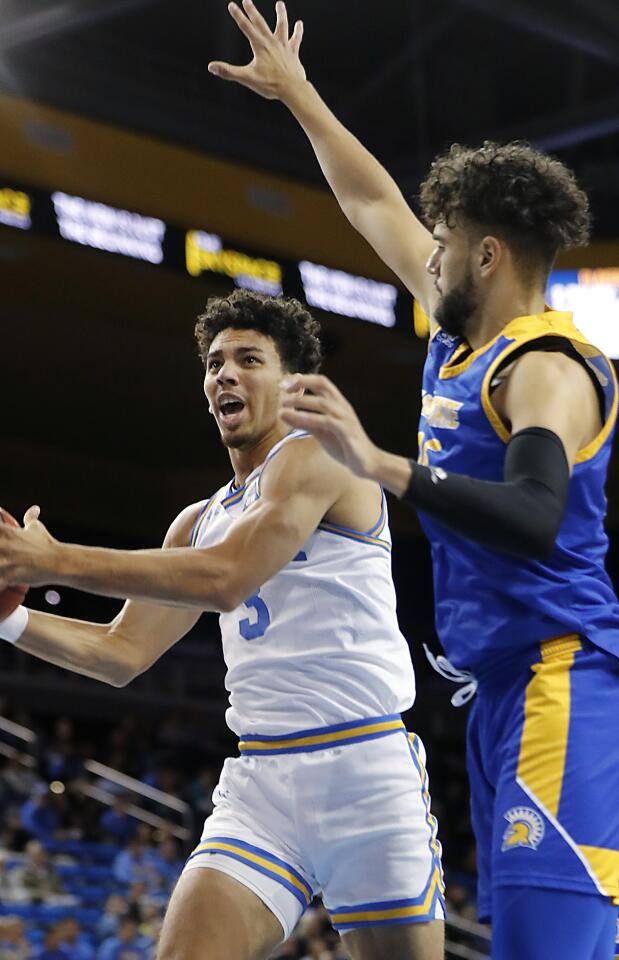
245, 459
501, 307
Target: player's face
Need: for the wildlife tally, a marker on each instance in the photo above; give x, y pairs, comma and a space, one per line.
243, 374
450, 265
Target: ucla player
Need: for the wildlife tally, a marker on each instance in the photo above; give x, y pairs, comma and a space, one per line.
514, 441
329, 792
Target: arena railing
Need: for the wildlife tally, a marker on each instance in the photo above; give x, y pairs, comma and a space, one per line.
28, 741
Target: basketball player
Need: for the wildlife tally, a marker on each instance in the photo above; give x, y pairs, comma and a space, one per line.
514, 441
329, 792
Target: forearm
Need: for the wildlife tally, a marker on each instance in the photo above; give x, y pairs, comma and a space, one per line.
181, 577
91, 649
520, 515
355, 176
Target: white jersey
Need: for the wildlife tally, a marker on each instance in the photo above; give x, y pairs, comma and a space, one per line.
318, 643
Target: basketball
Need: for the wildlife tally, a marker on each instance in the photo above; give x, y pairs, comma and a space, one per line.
10, 597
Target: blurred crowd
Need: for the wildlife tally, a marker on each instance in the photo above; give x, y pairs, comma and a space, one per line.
90, 880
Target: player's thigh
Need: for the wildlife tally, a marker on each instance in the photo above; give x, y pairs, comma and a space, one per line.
543, 924
212, 915
409, 941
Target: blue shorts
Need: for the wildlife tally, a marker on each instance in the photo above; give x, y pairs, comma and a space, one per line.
543, 759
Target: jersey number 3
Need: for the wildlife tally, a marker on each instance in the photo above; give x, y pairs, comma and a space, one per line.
252, 631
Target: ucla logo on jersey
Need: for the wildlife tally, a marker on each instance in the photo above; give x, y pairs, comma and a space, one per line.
526, 829
440, 411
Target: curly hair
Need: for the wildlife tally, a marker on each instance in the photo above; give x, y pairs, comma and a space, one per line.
533, 199
293, 329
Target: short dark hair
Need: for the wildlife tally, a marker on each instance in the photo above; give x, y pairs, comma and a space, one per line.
293, 329
532, 198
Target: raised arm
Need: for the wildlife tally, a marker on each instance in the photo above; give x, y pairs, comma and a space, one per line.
113, 652
367, 194
299, 486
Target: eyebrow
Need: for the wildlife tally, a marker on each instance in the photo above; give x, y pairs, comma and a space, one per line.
219, 353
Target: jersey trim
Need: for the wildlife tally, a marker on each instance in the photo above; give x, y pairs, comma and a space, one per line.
308, 741
289, 438
416, 910
260, 860
193, 536
357, 535
520, 328
585, 453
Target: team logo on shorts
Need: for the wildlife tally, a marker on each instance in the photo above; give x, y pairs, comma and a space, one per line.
526, 829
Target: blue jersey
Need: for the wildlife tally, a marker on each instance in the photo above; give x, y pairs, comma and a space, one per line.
491, 606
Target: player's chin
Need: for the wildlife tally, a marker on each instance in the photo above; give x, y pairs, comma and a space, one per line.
232, 439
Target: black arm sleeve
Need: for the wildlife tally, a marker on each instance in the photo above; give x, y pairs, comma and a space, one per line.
521, 515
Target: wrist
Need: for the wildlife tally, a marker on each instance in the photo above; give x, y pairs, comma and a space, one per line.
13, 626
296, 96
392, 471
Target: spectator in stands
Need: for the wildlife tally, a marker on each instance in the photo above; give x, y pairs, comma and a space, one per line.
62, 760
35, 879
13, 942
166, 861
39, 816
128, 944
116, 906
71, 938
18, 780
12, 834
134, 865
116, 823
51, 948
201, 791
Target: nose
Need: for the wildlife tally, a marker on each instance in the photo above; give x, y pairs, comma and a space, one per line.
432, 266
227, 373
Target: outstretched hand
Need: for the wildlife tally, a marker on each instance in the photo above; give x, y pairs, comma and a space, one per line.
26, 554
276, 67
327, 415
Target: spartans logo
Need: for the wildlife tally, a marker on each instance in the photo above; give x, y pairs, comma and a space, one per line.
526, 829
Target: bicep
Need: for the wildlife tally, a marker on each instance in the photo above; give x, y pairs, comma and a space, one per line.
297, 492
151, 629
552, 391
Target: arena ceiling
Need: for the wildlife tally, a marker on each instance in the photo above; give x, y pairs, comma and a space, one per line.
409, 77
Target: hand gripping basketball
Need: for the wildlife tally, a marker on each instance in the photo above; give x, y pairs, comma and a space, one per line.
12, 596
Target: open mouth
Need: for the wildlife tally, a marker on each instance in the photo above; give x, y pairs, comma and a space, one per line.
230, 411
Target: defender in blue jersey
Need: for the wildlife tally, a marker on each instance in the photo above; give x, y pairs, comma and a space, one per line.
517, 420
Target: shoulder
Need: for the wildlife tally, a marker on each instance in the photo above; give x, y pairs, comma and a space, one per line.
301, 463
539, 371
179, 531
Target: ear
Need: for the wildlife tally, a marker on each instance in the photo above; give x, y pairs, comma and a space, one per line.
292, 386
490, 254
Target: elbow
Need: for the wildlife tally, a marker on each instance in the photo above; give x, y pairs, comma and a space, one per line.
538, 544
120, 661
230, 596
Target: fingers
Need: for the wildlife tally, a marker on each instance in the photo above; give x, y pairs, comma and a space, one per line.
257, 20
226, 71
32, 513
297, 37
314, 423
281, 27
318, 384
244, 23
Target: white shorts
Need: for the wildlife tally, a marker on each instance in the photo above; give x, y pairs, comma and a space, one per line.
343, 811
